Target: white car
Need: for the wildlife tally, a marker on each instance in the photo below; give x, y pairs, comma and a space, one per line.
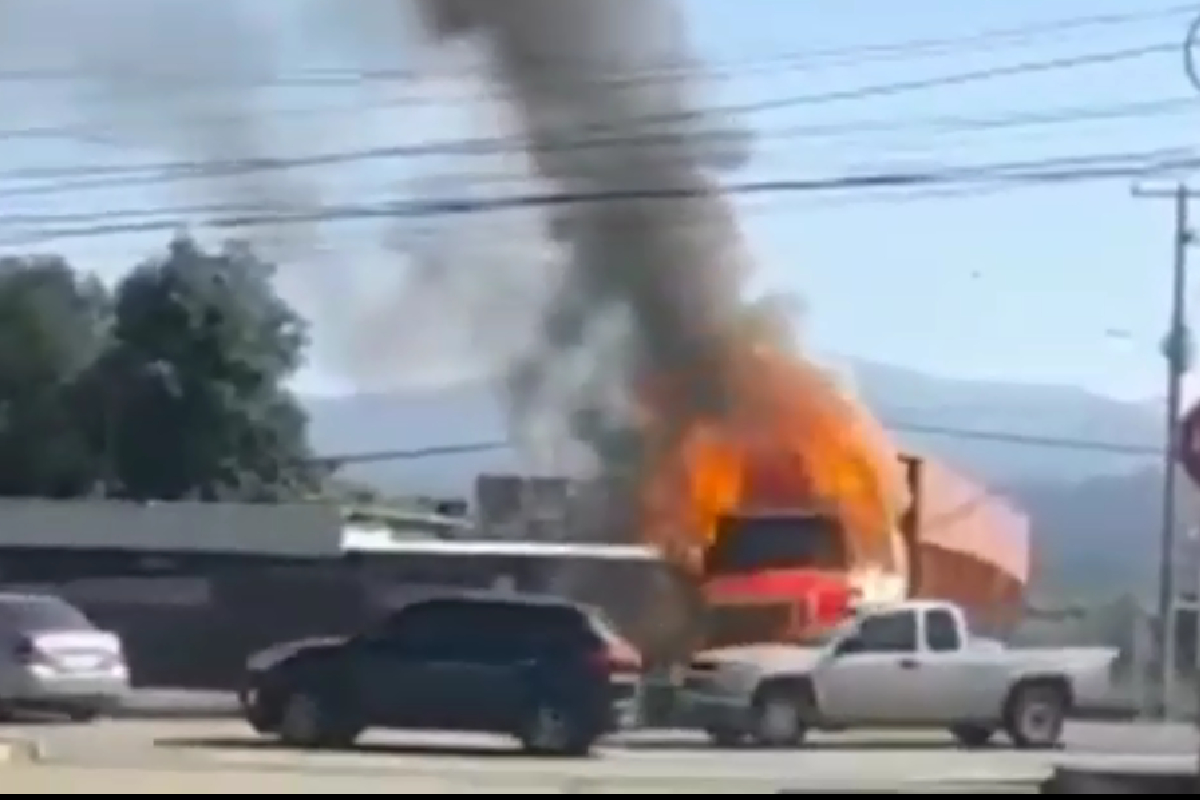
910, 664
52, 658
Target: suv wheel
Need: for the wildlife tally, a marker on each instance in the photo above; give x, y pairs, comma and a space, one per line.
306, 720
553, 729
262, 707
1034, 715
778, 718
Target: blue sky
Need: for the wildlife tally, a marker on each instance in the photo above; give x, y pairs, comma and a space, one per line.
1065, 285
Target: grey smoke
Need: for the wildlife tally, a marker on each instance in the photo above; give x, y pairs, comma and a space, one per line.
644, 291
669, 272
192, 82
182, 78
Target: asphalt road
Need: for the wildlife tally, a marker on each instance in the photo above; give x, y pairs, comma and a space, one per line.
203, 756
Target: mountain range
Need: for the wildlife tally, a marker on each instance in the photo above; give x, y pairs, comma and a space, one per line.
1082, 465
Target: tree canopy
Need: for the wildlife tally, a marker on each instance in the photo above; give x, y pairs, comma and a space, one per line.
171, 385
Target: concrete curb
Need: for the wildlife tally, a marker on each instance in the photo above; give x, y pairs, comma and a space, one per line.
1124, 774
1100, 780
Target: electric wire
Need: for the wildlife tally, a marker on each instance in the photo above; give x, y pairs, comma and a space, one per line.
1071, 169
1062, 443
67, 179
1009, 35
170, 172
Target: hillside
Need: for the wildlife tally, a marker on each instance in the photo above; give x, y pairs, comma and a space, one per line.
467, 413
1095, 513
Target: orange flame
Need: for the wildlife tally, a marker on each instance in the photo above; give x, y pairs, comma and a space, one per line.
793, 441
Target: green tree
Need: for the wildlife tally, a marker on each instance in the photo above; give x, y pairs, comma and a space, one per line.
53, 323
202, 349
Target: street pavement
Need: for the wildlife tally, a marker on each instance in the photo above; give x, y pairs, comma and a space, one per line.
214, 756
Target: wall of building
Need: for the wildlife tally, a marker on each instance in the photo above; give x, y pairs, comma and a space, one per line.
296, 530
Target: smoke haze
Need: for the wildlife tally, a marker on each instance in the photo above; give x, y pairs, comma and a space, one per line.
617, 295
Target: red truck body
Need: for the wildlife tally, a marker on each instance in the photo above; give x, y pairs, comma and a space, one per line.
787, 575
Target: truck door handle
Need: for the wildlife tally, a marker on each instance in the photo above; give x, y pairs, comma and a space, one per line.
909, 663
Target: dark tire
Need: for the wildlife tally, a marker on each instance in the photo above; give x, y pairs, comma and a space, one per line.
555, 729
83, 714
308, 721
779, 717
1035, 714
973, 737
262, 707
725, 736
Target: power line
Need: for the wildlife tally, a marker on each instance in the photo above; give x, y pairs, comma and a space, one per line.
570, 139
413, 454
830, 192
82, 131
854, 56
857, 54
84, 178
922, 84
1020, 32
1072, 169
1029, 440
1005, 122
968, 434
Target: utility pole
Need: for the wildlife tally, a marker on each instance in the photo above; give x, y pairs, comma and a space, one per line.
1177, 351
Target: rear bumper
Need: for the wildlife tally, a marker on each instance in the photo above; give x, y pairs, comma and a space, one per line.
46, 688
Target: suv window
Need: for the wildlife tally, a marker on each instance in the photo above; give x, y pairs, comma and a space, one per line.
515, 630
486, 629
36, 613
431, 627
941, 631
888, 633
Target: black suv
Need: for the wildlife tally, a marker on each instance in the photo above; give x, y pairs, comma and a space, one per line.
551, 673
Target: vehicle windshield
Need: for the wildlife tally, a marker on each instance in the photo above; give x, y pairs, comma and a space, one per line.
41, 614
747, 543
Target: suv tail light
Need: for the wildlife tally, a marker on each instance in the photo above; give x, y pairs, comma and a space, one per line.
616, 658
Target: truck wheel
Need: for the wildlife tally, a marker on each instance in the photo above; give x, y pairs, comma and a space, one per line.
972, 736
1035, 714
779, 717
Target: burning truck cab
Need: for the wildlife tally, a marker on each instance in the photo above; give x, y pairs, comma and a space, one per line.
778, 576
793, 575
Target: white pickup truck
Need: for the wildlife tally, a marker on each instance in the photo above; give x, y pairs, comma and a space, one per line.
904, 665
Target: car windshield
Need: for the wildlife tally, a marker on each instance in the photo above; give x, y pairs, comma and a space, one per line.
748, 543
41, 614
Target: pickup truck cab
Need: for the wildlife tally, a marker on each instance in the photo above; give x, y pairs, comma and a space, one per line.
903, 665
